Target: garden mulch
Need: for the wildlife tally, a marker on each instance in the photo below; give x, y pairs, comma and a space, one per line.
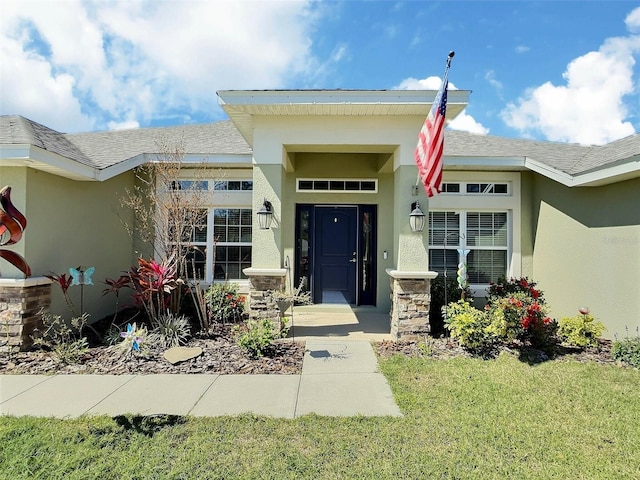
445, 348
221, 355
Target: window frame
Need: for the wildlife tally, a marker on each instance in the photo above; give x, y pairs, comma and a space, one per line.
453, 241
215, 199
215, 244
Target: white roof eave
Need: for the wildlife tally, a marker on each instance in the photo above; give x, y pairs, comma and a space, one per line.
243, 105
603, 176
335, 97
27, 155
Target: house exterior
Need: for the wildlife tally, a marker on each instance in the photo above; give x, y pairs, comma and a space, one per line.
336, 170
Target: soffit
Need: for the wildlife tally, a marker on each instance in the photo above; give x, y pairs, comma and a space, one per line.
243, 106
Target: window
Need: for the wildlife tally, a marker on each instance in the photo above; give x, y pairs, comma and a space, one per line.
232, 239
337, 185
476, 188
190, 185
485, 234
192, 225
233, 185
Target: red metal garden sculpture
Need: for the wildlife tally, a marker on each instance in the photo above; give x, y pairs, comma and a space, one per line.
12, 224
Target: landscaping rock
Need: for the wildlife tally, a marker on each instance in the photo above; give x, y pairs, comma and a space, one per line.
176, 355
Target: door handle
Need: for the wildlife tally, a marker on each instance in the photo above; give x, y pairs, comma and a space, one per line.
353, 260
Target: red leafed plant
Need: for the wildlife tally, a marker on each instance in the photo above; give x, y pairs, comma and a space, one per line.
153, 283
64, 281
12, 225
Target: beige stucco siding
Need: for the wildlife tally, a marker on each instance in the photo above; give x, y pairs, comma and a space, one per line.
345, 165
288, 148
75, 224
268, 179
16, 177
527, 224
586, 250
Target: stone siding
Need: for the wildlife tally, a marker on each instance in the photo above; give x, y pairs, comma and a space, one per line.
261, 305
20, 308
410, 299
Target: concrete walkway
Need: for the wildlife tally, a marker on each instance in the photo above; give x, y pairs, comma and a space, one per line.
339, 378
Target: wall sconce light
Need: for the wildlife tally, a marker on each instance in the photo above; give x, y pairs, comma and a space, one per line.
265, 214
416, 218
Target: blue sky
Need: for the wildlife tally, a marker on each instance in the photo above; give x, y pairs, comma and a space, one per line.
555, 70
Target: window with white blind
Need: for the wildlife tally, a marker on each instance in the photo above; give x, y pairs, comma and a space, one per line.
485, 234
232, 232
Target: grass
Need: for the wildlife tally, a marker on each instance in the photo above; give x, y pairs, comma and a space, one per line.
464, 419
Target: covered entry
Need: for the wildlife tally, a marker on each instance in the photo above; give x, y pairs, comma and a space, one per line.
336, 252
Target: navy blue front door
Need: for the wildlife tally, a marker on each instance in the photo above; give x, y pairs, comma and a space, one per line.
336, 234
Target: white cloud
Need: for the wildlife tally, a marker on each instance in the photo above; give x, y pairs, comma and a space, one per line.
522, 49
30, 88
339, 53
463, 121
106, 64
589, 108
467, 123
633, 21
126, 125
490, 77
429, 83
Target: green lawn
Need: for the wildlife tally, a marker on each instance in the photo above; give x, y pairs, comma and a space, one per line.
464, 418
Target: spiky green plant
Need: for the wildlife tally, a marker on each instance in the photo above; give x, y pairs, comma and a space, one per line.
172, 330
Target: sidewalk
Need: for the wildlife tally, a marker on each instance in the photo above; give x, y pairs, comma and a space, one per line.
339, 378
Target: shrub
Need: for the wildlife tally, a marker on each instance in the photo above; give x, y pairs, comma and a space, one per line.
627, 350
171, 330
223, 303
112, 335
258, 336
505, 288
515, 310
436, 318
471, 327
580, 331
65, 341
519, 312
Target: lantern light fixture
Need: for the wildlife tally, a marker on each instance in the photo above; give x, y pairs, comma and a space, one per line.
416, 218
265, 215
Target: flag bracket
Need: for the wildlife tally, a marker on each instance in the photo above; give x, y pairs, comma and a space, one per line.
414, 190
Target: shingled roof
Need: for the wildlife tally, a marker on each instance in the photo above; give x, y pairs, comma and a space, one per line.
101, 150
18, 130
110, 147
570, 158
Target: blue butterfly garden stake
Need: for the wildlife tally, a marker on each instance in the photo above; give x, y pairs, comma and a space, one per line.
81, 277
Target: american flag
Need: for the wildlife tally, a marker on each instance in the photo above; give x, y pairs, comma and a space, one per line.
428, 153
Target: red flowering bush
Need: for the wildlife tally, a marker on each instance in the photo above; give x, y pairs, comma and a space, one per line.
519, 311
224, 304
515, 310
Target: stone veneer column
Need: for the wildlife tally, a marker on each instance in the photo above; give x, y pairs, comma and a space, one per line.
21, 301
410, 299
261, 281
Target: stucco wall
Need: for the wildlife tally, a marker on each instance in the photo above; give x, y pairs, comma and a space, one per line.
586, 250
527, 224
345, 165
75, 224
16, 177
285, 149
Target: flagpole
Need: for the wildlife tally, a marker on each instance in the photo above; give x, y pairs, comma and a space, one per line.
444, 80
